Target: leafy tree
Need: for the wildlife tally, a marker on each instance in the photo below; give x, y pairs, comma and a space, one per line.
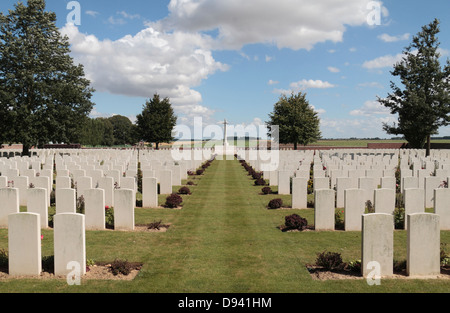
97, 132
424, 104
297, 121
157, 121
123, 130
44, 97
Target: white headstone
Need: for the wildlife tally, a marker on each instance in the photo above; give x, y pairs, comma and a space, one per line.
69, 243
24, 244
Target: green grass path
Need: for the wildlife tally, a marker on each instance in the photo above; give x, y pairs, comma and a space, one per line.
224, 240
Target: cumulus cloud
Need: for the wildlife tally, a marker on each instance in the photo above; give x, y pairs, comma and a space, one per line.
383, 61
389, 38
294, 24
371, 108
174, 55
169, 64
333, 69
305, 84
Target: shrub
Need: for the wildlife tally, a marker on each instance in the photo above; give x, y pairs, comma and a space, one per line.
354, 266
275, 204
399, 218
295, 221
190, 183
121, 267
173, 201
4, 260
184, 191
48, 263
310, 186
369, 207
339, 219
109, 217
199, 171
329, 260
260, 182
256, 175
399, 266
80, 205
266, 190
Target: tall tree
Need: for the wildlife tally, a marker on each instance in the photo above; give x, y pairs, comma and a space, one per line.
157, 121
44, 97
297, 121
423, 106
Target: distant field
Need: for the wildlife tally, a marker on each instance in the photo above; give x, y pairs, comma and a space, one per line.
325, 143
352, 142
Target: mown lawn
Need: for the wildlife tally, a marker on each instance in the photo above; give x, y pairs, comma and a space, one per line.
224, 240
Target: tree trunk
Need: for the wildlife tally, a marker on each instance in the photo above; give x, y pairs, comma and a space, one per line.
428, 145
295, 146
157, 145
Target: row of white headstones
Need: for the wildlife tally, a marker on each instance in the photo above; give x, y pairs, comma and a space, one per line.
111, 183
348, 179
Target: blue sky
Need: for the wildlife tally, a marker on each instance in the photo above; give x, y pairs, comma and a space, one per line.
232, 59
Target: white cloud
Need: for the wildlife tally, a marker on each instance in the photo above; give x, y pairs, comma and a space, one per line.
129, 16
371, 108
294, 24
383, 61
319, 111
272, 82
169, 64
389, 38
362, 127
268, 58
333, 69
371, 85
92, 13
311, 84
304, 85
116, 21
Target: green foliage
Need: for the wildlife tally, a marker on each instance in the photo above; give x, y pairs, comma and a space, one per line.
80, 205
297, 121
339, 219
109, 217
44, 97
157, 121
399, 218
124, 131
4, 260
423, 106
97, 132
369, 207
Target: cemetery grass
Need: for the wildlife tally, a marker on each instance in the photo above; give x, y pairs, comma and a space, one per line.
224, 240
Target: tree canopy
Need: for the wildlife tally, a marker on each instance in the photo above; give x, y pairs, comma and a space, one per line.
297, 121
423, 105
44, 97
157, 121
